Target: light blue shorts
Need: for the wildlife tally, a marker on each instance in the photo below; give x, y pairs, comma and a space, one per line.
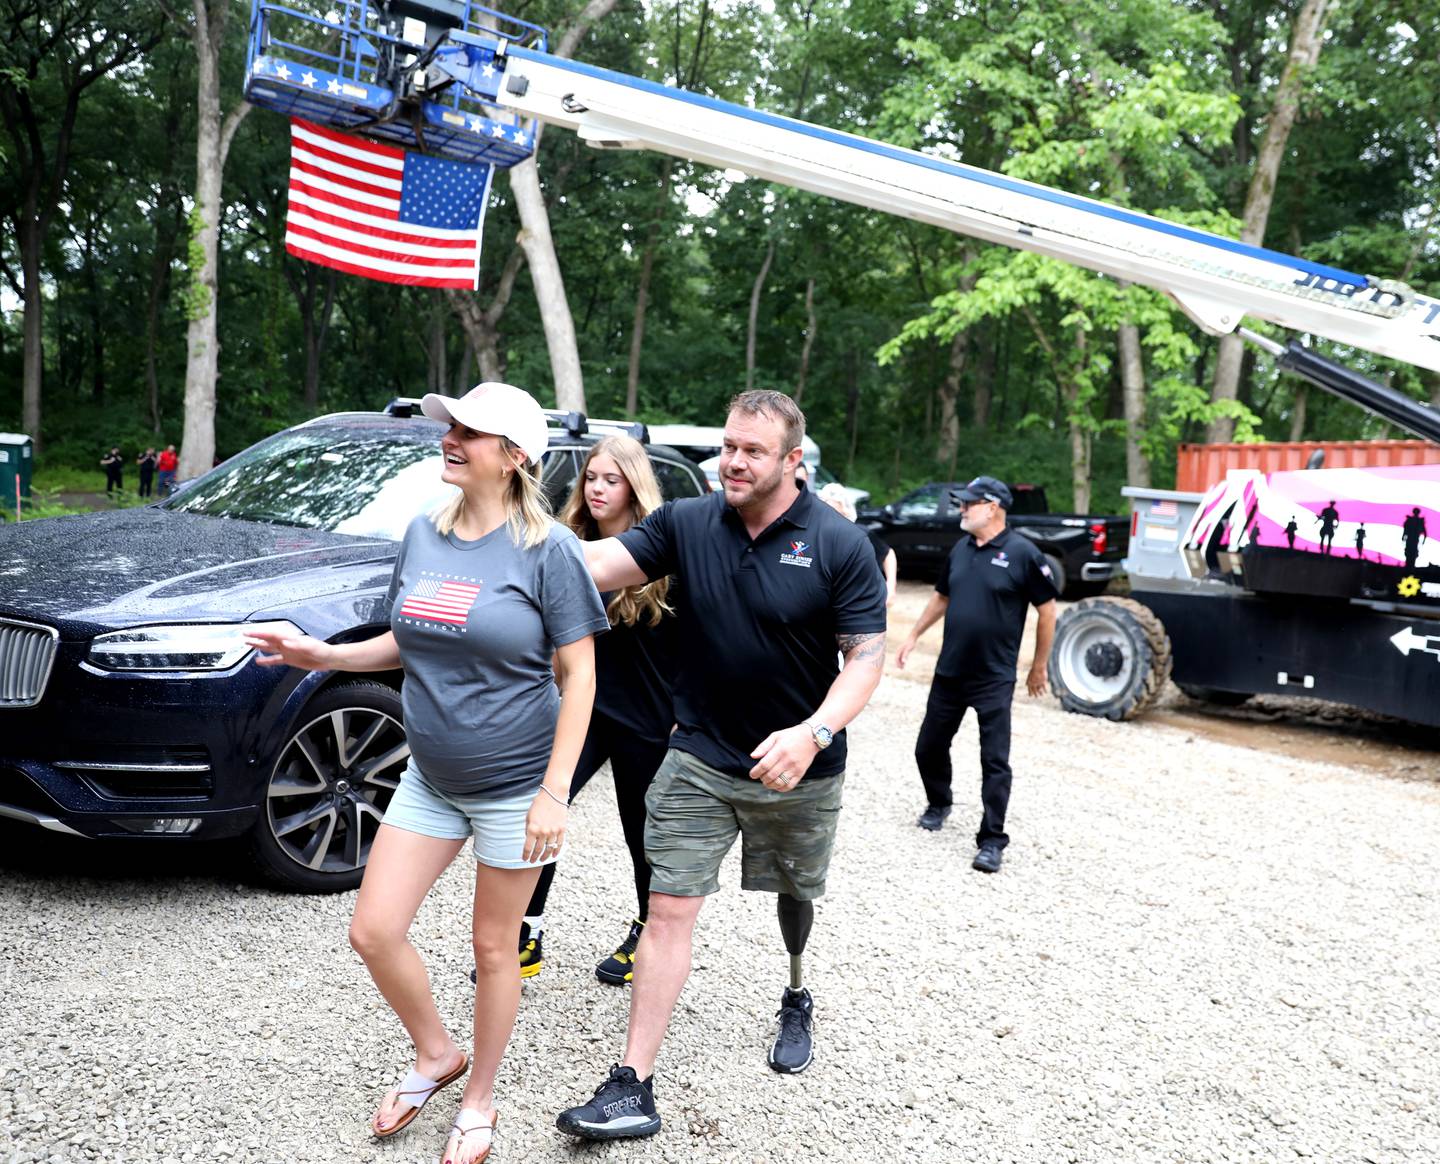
497, 826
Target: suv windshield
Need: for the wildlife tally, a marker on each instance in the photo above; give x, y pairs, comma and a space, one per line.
343, 482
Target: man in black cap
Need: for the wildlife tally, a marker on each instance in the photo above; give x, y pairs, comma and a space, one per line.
992, 575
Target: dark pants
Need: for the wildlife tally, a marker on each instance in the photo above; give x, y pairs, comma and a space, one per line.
949, 700
147, 482
113, 480
633, 762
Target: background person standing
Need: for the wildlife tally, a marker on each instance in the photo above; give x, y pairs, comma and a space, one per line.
991, 576
167, 463
146, 461
113, 463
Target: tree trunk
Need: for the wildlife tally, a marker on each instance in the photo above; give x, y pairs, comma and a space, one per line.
852, 408
1306, 41
212, 143
167, 229
1132, 380
755, 315
982, 375
642, 293
462, 373
1297, 412
539, 246
811, 324
949, 444
1080, 435
33, 355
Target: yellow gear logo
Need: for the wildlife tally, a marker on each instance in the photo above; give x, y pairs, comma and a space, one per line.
1409, 586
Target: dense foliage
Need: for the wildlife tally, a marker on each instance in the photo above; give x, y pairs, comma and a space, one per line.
928, 354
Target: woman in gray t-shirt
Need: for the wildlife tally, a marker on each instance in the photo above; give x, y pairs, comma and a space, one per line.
485, 592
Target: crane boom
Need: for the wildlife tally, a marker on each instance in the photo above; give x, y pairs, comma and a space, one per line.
1216, 281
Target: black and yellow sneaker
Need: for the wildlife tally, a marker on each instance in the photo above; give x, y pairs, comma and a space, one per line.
619, 968
532, 953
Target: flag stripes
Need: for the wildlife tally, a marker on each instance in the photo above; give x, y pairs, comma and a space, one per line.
374, 210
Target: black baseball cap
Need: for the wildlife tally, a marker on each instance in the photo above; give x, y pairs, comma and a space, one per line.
985, 489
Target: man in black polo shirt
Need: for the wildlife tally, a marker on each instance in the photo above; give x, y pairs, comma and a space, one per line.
990, 578
775, 582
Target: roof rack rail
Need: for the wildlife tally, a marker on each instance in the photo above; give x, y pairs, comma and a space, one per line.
570, 420
403, 406
630, 428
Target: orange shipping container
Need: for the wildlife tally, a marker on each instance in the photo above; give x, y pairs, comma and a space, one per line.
1198, 467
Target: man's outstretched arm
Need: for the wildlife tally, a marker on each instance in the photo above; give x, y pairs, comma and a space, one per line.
611, 565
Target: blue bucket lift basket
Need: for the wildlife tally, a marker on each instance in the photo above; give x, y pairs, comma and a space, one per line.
418, 74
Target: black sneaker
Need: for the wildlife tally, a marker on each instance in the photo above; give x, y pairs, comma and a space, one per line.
987, 860
619, 968
532, 953
623, 1107
793, 1047
934, 817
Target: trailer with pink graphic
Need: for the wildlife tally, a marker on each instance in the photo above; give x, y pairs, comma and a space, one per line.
1321, 582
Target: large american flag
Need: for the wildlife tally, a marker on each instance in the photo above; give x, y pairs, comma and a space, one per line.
378, 211
440, 601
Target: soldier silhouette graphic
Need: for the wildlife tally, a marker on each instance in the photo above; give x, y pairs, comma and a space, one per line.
1412, 530
1360, 541
1328, 517
1290, 531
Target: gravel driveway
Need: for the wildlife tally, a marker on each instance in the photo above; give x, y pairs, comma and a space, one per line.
1195, 952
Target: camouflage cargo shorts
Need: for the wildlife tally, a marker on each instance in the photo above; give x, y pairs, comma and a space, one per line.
693, 813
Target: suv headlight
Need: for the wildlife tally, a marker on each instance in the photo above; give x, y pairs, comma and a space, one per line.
214, 647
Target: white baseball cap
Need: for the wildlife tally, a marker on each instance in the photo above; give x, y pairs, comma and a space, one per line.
499, 409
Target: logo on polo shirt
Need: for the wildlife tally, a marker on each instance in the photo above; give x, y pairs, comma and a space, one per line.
1000, 560
797, 557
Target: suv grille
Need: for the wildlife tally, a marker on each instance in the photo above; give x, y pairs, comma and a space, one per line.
27, 652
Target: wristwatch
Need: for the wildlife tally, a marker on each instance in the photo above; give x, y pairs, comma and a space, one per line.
821, 734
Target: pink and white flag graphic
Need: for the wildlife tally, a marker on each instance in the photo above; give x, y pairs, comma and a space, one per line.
440, 601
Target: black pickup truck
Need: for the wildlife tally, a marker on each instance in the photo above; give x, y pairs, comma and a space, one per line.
1084, 551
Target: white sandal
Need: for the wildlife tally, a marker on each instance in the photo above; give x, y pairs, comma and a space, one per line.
463, 1127
419, 1086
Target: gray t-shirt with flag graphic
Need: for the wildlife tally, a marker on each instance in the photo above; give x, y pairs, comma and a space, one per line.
477, 623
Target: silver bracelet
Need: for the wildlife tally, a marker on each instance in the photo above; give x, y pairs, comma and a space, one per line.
552, 796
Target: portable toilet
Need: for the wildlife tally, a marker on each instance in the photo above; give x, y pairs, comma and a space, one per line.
16, 460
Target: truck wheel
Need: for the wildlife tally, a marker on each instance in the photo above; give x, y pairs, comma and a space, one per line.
1057, 569
328, 791
1214, 695
1111, 658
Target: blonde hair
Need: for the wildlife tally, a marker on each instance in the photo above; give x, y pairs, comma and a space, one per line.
836, 498
631, 603
527, 512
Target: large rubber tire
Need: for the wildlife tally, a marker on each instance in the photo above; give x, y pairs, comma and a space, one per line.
1111, 658
328, 789
1214, 695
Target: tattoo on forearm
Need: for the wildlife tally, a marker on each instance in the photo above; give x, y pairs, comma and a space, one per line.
868, 649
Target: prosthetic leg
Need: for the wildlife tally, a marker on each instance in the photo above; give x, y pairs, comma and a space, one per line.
796, 918
793, 1047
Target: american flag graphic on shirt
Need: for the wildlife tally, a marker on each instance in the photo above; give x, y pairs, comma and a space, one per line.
440, 601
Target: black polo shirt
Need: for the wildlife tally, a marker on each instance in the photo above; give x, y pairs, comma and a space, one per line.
989, 588
758, 620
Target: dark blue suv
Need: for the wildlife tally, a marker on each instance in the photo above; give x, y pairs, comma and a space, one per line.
128, 703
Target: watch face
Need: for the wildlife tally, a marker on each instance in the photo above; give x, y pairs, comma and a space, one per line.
823, 736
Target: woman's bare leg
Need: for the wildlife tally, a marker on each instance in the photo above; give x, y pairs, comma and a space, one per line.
500, 899
402, 868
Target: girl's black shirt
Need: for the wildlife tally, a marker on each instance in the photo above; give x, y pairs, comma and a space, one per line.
635, 673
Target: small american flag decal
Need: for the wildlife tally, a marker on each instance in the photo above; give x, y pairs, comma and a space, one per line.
440, 601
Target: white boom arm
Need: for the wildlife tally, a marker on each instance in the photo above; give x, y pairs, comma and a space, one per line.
1216, 281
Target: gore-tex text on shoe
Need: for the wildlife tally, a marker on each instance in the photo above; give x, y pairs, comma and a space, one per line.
612, 1109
